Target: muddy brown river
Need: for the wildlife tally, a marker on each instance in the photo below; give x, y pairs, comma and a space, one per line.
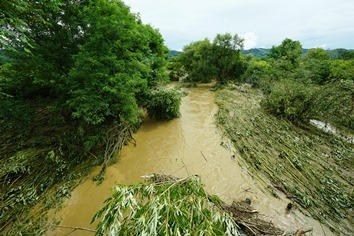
189, 145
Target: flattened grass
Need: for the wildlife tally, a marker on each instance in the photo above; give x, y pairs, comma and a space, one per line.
312, 168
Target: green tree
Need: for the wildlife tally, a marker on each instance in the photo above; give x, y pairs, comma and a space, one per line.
197, 61
314, 66
227, 57
335, 103
117, 61
317, 53
348, 55
19, 17
291, 100
175, 69
287, 55
341, 70
55, 32
12, 25
204, 61
258, 72
93, 57
342, 54
153, 53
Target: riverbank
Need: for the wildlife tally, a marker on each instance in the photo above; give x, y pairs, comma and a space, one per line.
314, 170
189, 145
44, 155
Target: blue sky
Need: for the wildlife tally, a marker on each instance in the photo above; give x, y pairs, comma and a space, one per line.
263, 23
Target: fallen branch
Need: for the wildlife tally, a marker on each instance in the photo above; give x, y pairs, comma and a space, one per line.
185, 166
115, 139
203, 156
75, 228
300, 232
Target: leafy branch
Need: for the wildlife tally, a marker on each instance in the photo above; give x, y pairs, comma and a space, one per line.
164, 205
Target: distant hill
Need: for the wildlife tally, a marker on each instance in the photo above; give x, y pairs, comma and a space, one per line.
256, 52
173, 53
339, 53
262, 52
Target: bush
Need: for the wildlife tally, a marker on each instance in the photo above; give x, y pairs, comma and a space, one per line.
175, 69
15, 112
291, 100
163, 104
335, 103
257, 71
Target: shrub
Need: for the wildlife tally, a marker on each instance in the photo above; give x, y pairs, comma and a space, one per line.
290, 99
257, 71
335, 103
15, 112
163, 104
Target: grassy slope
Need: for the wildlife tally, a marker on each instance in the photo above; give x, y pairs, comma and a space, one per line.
314, 169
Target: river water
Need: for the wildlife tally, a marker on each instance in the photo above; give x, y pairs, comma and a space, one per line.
185, 146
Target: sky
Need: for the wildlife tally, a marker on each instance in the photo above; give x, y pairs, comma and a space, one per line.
328, 24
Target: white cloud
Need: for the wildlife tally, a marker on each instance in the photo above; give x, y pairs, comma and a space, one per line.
324, 46
250, 40
268, 22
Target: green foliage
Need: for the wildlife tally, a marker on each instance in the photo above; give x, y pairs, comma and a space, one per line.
335, 103
299, 88
15, 112
196, 60
290, 99
256, 73
176, 69
298, 102
13, 25
314, 67
164, 206
317, 53
163, 104
341, 70
341, 54
313, 168
114, 64
55, 31
286, 55
347, 55
227, 57
92, 57
221, 60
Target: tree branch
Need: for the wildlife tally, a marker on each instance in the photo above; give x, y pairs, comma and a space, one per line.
75, 228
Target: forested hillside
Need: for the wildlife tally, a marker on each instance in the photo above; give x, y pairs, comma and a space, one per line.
340, 53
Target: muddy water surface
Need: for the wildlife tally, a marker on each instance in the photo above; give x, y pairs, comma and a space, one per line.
188, 145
